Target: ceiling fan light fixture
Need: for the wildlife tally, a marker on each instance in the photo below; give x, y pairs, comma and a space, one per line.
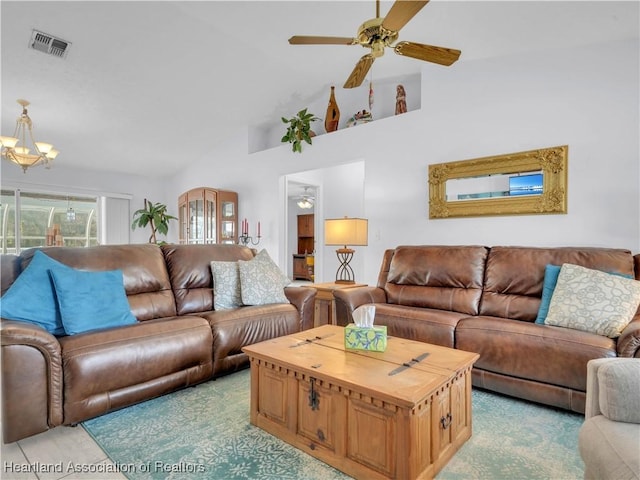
305, 203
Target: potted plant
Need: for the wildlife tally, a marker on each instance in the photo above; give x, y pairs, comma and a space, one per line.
299, 129
155, 215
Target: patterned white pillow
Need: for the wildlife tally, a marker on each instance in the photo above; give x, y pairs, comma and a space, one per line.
226, 285
593, 301
261, 281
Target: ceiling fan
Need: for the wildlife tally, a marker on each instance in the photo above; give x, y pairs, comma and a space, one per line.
306, 200
378, 33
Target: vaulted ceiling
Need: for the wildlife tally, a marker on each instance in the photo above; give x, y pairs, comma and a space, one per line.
148, 85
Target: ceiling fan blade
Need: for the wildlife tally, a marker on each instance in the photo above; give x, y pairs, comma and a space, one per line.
428, 53
401, 12
311, 40
360, 71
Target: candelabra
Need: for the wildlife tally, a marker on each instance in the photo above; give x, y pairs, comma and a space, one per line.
244, 238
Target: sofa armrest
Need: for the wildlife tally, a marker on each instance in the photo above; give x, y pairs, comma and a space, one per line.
628, 343
612, 386
32, 380
350, 299
303, 298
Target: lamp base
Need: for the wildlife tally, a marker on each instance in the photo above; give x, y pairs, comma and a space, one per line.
345, 272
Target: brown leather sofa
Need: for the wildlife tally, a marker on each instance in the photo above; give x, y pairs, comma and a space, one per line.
486, 300
179, 339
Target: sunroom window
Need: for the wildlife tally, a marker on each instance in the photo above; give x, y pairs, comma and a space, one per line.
46, 219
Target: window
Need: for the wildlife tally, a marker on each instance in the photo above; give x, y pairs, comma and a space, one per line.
47, 220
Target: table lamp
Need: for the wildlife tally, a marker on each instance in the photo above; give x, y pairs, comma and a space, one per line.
345, 231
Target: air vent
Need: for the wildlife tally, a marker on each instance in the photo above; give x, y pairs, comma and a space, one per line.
43, 42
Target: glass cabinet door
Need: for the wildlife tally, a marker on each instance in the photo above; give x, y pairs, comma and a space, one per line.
228, 233
183, 216
228, 210
196, 223
210, 217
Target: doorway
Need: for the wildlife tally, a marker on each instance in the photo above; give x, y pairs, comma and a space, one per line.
339, 192
302, 232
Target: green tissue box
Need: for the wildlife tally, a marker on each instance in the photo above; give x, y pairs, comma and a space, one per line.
360, 338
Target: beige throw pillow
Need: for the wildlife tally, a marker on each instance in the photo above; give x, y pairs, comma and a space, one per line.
593, 301
226, 285
261, 281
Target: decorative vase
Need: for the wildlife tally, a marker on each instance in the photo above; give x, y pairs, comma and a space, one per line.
333, 113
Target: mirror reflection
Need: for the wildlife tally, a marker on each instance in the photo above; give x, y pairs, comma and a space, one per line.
495, 185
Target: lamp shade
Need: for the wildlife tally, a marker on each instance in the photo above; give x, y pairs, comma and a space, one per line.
346, 231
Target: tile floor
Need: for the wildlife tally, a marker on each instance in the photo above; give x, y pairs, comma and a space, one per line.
69, 450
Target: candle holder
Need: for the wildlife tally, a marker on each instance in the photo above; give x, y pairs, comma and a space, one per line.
245, 239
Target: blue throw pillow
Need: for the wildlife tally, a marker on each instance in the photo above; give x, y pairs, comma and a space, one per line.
91, 300
551, 273
31, 298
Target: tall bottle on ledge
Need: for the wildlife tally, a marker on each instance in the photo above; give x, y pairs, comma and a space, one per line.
332, 117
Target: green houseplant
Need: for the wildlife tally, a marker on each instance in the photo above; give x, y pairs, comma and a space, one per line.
299, 129
155, 215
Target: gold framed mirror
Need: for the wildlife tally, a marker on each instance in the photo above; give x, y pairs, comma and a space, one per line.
531, 182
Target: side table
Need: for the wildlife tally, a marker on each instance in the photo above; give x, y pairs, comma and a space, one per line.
325, 306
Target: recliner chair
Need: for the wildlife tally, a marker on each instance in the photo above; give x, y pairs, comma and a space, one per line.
609, 439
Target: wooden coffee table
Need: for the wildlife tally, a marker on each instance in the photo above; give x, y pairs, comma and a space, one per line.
402, 413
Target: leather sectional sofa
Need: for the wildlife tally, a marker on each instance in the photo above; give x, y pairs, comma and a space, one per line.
178, 341
486, 300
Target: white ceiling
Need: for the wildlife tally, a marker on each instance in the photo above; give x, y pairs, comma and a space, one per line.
148, 85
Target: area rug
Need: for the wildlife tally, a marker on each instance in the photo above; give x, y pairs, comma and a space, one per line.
204, 432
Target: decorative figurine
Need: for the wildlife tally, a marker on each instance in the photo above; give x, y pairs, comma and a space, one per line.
401, 102
359, 118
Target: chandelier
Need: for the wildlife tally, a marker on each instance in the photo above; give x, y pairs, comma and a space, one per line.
15, 148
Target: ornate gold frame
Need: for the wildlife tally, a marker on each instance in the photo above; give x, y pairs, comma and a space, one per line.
552, 161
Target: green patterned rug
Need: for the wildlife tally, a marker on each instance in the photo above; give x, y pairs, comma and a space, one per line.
204, 432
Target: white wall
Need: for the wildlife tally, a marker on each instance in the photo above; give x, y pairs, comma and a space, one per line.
586, 98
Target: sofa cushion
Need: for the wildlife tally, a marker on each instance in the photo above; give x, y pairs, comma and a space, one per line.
110, 369
261, 281
539, 353
146, 280
189, 269
593, 301
226, 285
518, 296
31, 298
427, 325
90, 300
234, 329
440, 277
619, 387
